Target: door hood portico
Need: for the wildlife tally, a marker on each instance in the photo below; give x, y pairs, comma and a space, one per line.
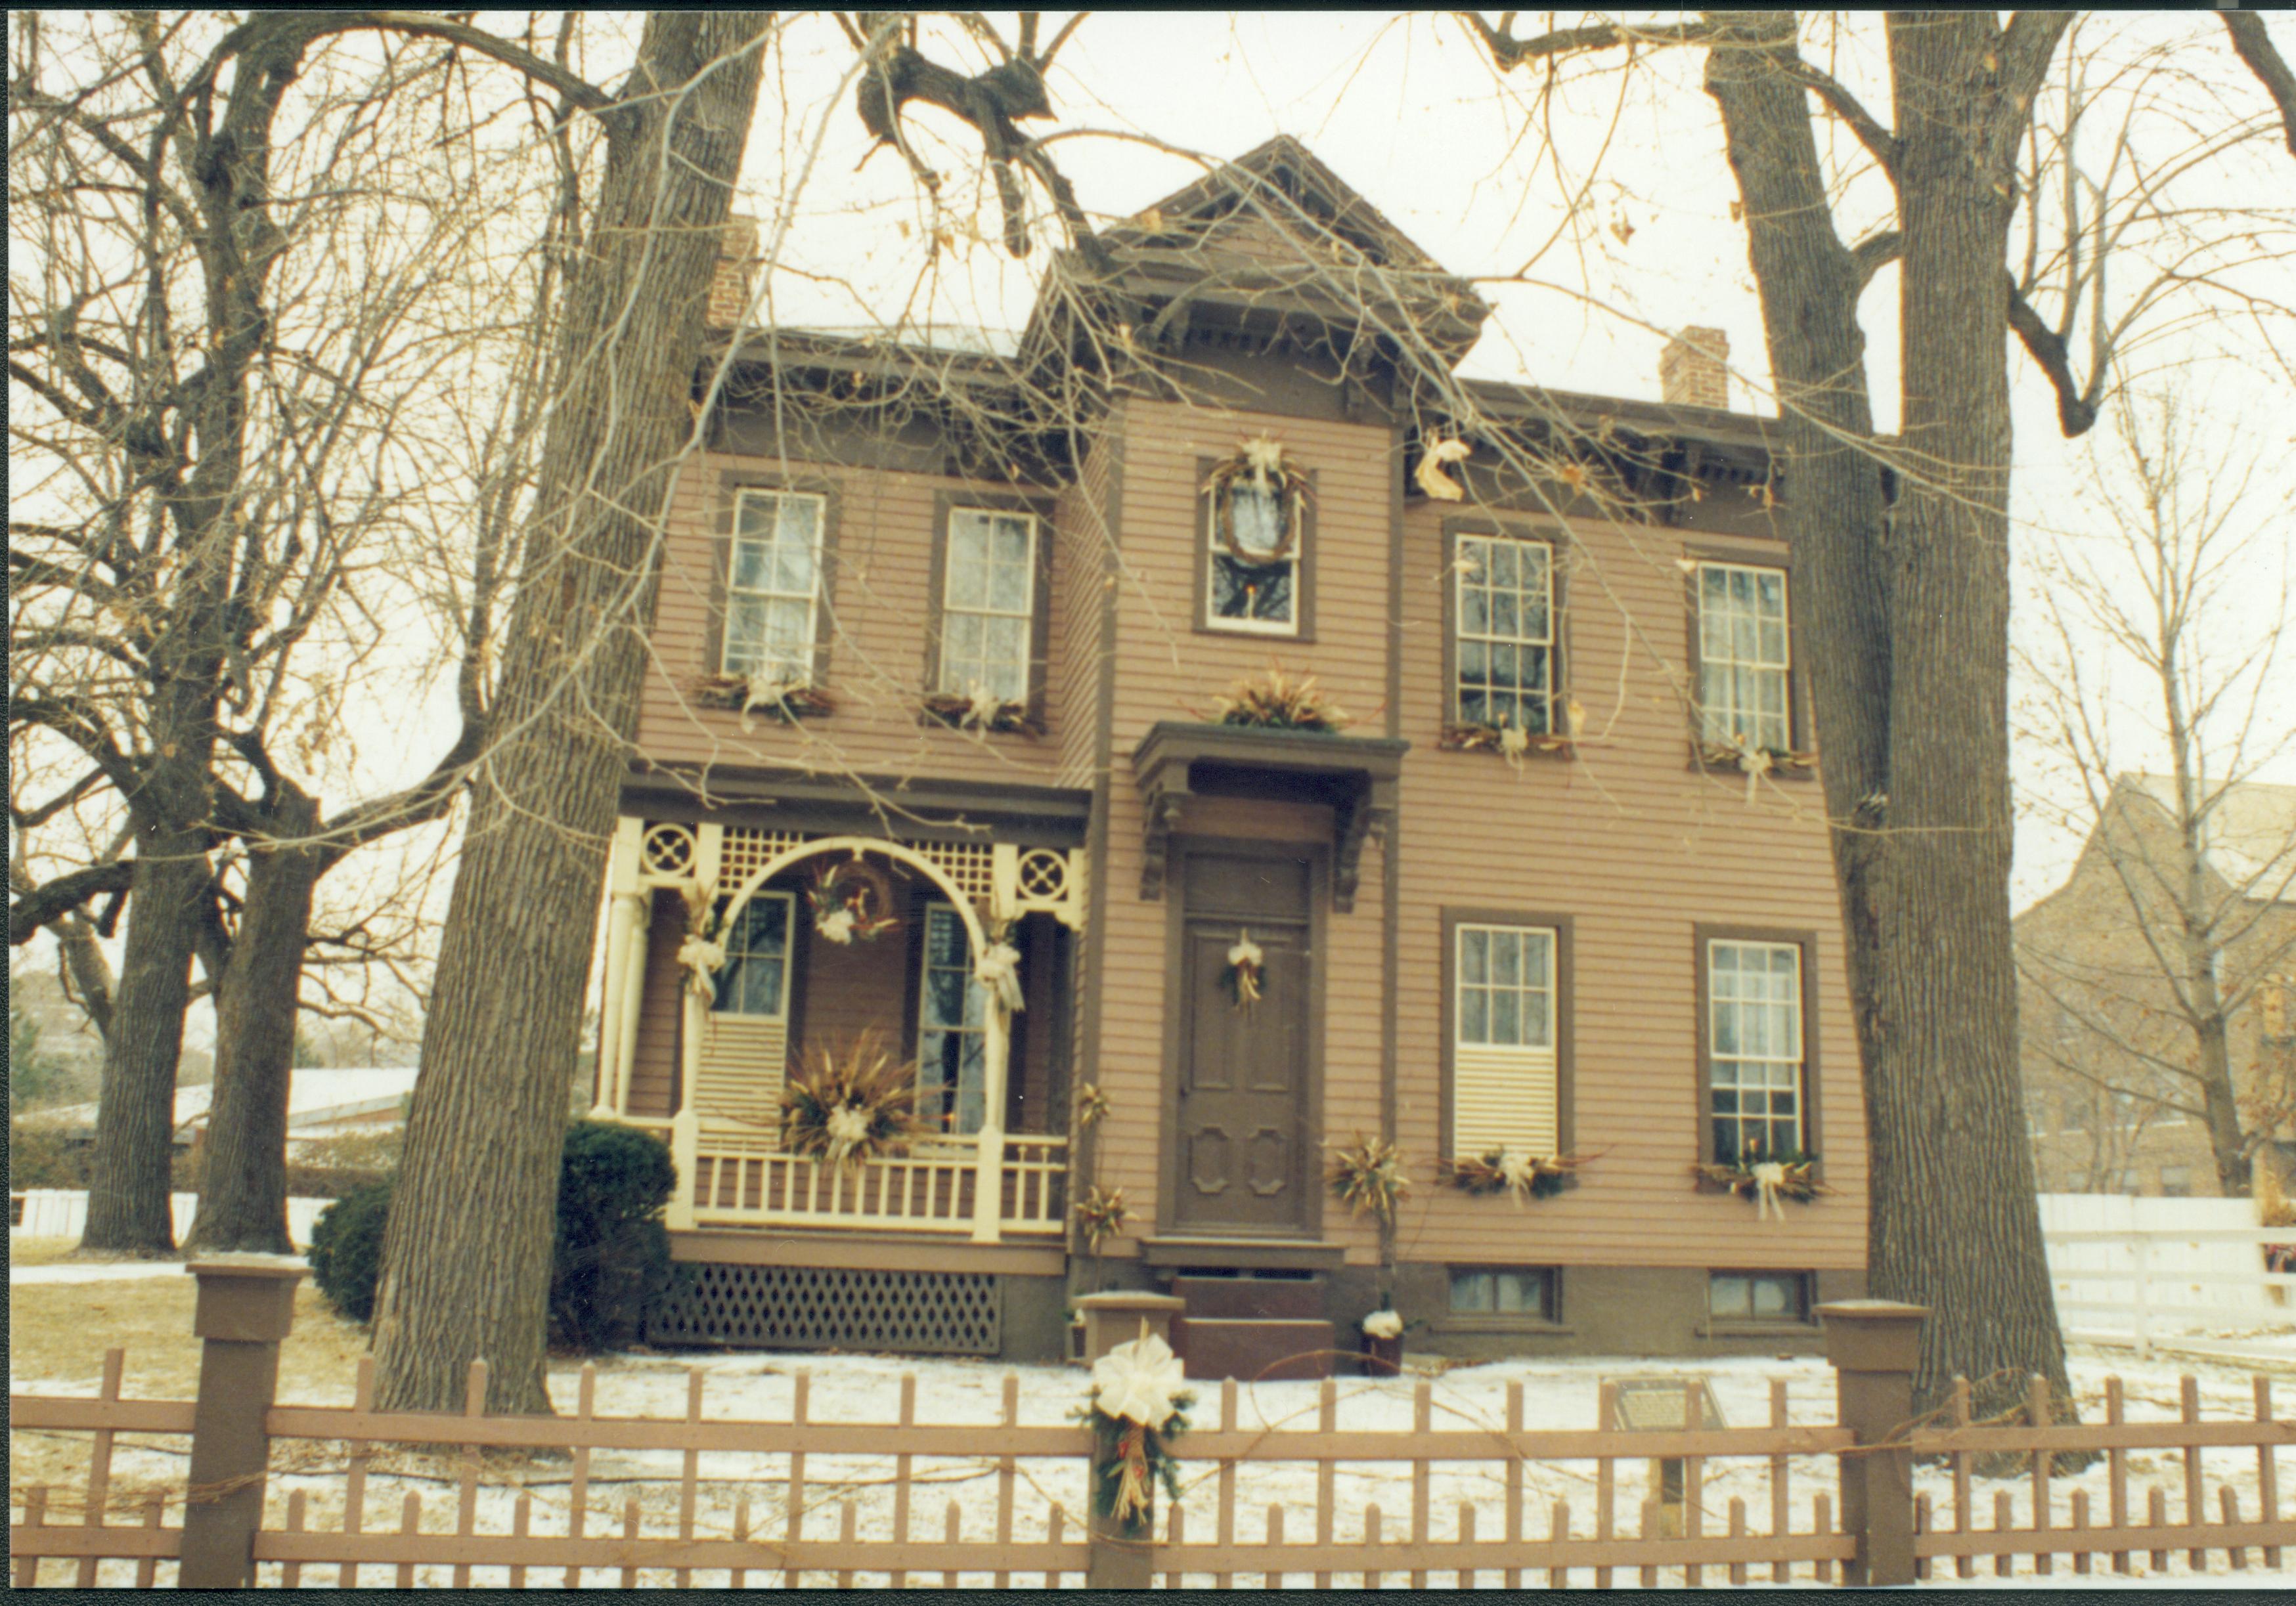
1357, 777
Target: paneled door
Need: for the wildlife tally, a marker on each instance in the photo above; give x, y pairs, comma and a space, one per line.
1244, 1158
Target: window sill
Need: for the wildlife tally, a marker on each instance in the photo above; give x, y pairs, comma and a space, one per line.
1513, 1326
1724, 761
949, 713
1276, 637
1487, 739
1800, 1327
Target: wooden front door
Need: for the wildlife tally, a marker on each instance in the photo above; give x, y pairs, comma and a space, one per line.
1244, 1158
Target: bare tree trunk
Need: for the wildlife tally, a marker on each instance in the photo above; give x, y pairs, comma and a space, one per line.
128, 1182
243, 1185
466, 1260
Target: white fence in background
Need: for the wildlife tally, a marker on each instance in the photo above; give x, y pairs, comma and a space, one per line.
62, 1213
2129, 1270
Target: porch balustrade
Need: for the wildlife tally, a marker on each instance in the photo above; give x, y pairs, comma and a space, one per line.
747, 1180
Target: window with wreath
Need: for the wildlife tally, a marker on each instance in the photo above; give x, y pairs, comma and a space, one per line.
1256, 525
1505, 1073
755, 979
1755, 1063
1745, 665
1504, 634
952, 1026
989, 599
773, 586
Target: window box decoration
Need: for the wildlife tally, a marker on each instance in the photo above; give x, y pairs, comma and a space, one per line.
749, 694
1519, 1175
1789, 1174
1756, 760
1276, 701
983, 712
851, 1104
1367, 1175
1508, 741
1139, 1404
1382, 1340
851, 902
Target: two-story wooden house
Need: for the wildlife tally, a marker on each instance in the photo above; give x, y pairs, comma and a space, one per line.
982, 607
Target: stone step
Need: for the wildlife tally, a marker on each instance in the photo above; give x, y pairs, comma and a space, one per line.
1254, 1350
1250, 1298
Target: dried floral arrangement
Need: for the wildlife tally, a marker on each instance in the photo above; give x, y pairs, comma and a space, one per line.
1092, 1105
1509, 742
983, 712
851, 1103
748, 694
852, 901
1245, 972
1262, 463
1789, 1174
1368, 1175
1276, 701
1101, 1215
1139, 1404
702, 953
1756, 760
1520, 1175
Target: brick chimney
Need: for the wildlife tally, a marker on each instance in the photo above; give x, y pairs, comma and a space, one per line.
737, 261
1691, 371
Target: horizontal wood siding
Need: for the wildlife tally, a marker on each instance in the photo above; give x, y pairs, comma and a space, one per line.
1081, 564
653, 1068
879, 581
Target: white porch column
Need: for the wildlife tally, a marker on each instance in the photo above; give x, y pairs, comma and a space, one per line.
988, 1174
685, 1127
622, 854
618, 1005
632, 990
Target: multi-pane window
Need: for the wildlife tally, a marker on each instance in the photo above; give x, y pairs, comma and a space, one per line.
1505, 632
952, 1028
773, 586
1255, 578
1757, 1297
988, 599
1503, 1067
1743, 649
1522, 1290
755, 978
1754, 1027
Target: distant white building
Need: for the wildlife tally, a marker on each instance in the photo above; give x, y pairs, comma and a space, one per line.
321, 1102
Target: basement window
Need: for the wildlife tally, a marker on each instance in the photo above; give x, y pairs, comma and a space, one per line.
1522, 1290
1766, 1298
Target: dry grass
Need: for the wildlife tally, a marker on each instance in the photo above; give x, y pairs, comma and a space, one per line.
40, 1251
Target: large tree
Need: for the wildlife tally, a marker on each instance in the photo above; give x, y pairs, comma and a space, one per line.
1900, 550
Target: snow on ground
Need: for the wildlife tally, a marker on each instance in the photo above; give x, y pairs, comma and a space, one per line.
1558, 1394
121, 1271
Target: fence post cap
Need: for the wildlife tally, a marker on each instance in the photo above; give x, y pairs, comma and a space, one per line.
1872, 1335
249, 1265
246, 1298
1124, 1299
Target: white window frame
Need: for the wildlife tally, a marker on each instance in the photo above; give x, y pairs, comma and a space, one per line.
952, 1118
1026, 613
789, 957
1720, 718
735, 593
1461, 636
1214, 550
1795, 1066
1504, 1095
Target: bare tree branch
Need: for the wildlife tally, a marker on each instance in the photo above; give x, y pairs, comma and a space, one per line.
2255, 46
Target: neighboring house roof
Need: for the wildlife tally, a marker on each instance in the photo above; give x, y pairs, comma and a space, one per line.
316, 1097
2247, 836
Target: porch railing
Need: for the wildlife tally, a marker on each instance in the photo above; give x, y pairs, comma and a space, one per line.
740, 1179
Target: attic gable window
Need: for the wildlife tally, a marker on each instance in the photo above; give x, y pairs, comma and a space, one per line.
772, 587
988, 604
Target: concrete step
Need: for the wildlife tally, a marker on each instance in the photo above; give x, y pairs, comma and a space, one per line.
1249, 1298
1248, 1349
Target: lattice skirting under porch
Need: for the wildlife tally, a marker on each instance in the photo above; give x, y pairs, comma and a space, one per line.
819, 1307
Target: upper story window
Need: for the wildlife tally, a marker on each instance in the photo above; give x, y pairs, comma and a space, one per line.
989, 602
1505, 648
773, 586
1743, 651
1754, 1048
1254, 583
755, 979
1504, 1092
952, 1028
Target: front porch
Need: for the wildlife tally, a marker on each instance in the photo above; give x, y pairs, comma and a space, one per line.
699, 1051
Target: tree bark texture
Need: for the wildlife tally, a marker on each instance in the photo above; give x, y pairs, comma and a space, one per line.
1907, 624
466, 1258
243, 1185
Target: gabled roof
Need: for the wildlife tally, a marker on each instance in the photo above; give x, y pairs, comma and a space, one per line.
2248, 835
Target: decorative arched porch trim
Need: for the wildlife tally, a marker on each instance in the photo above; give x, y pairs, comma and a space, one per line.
900, 853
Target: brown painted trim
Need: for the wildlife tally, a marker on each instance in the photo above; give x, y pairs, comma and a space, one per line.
1799, 725
1084, 1151
730, 483
840, 1251
1565, 1015
1813, 1141
1303, 577
1176, 915
1559, 542
1390, 910
1040, 620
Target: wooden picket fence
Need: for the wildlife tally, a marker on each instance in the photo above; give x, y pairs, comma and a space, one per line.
323, 1495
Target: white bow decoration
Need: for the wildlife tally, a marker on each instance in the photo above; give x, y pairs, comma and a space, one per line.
1755, 761
983, 708
837, 925
1769, 1176
1140, 1381
999, 972
702, 959
1265, 454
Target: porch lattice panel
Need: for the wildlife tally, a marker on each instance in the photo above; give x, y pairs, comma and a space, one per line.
818, 1307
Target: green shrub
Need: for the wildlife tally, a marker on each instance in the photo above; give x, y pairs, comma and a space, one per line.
347, 1249
39, 1156
611, 1260
613, 1256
